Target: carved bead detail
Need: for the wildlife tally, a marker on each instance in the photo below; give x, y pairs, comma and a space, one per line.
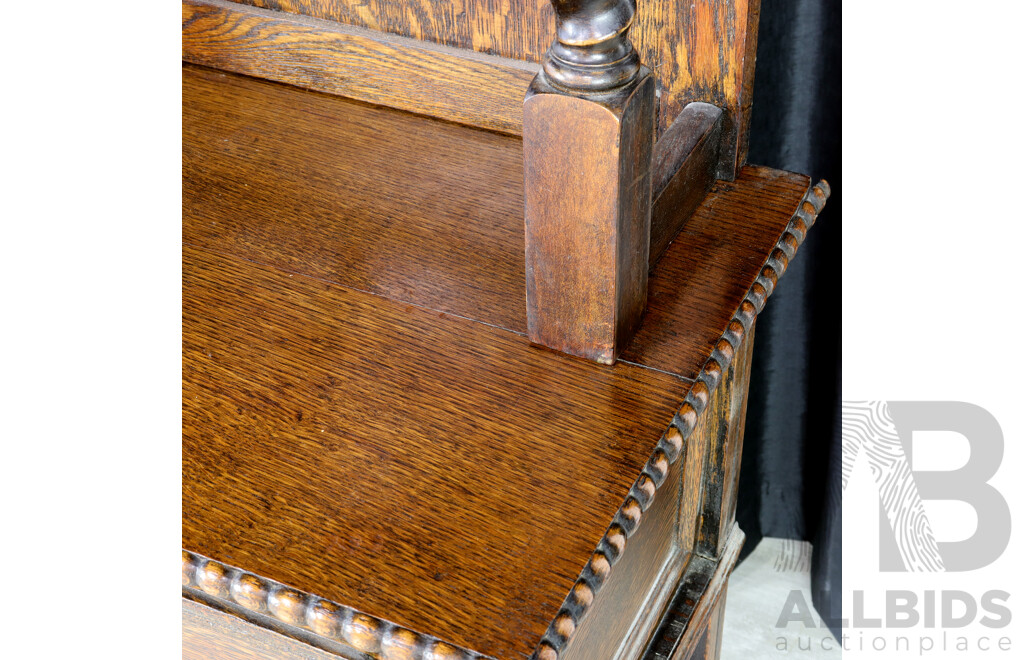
213, 579
362, 632
747, 313
582, 594
687, 416
249, 592
600, 566
301, 610
400, 644
188, 569
546, 652
615, 538
789, 244
630, 515
711, 374
699, 396
673, 445
809, 209
798, 227
564, 625
325, 618
288, 605
780, 261
657, 466
758, 295
579, 600
444, 651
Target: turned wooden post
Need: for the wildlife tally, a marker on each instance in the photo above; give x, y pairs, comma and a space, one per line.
588, 134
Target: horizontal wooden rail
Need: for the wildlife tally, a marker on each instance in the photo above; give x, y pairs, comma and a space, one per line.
450, 83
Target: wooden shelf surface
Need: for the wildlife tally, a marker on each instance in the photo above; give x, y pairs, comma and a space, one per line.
363, 417
431, 213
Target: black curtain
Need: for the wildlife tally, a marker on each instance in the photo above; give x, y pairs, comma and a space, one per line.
789, 480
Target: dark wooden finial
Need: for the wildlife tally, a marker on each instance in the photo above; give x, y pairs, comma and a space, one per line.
592, 50
588, 134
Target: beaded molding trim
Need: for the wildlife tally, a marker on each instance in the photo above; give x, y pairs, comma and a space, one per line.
641, 494
376, 637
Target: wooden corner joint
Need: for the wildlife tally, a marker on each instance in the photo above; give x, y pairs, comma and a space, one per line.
672, 445
588, 137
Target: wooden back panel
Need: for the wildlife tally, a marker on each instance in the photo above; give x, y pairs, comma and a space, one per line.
699, 50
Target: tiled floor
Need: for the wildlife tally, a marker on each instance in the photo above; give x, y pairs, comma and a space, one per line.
774, 579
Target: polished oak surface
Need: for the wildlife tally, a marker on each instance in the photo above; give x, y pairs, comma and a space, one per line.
309, 183
349, 428
426, 469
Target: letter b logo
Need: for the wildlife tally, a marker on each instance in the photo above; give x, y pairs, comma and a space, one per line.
884, 430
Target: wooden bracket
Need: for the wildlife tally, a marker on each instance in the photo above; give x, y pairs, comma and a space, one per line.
685, 166
588, 135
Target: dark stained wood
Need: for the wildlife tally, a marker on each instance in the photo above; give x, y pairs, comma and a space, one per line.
418, 76
588, 215
317, 452
208, 633
685, 163
707, 447
305, 182
723, 444
695, 604
592, 50
699, 51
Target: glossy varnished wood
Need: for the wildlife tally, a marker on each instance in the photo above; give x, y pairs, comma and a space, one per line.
319, 452
395, 458
418, 76
207, 633
699, 51
310, 183
305, 182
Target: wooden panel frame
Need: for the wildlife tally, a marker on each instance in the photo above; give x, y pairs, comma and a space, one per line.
700, 51
453, 84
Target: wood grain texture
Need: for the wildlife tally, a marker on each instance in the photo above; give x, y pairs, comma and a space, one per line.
270, 607
708, 424
644, 562
699, 51
304, 182
417, 76
208, 633
695, 604
717, 262
588, 216
300, 386
703, 50
724, 446
684, 169
716, 625
317, 452
518, 29
720, 402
